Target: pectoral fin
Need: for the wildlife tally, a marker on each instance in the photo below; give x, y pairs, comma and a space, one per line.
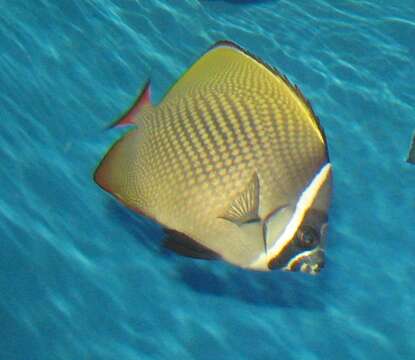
244, 208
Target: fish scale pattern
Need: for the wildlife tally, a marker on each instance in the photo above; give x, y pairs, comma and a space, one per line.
205, 146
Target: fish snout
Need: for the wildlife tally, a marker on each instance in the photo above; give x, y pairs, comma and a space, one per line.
313, 263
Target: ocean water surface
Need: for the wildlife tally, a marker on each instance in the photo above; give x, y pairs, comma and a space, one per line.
81, 277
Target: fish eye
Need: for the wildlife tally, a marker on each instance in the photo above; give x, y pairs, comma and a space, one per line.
307, 237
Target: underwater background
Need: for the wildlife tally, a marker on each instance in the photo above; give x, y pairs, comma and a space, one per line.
81, 277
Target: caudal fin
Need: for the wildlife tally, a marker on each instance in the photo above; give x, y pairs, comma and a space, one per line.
132, 115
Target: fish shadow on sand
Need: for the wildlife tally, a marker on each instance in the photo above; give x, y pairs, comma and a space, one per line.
263, 289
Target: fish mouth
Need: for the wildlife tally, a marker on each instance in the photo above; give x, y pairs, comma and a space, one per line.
309, 268
309, 262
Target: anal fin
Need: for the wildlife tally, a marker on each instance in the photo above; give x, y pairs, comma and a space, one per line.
184, 245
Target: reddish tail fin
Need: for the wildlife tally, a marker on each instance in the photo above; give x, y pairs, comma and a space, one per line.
130, 116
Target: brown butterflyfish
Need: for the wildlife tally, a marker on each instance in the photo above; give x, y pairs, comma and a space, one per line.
233, 163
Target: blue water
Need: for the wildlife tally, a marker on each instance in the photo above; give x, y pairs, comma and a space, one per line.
83, 278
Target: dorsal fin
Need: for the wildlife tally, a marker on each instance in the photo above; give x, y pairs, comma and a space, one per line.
184, 245
211, 68
244, 208
131, 115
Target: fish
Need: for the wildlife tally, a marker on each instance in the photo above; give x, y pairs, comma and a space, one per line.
233, 163
411, 154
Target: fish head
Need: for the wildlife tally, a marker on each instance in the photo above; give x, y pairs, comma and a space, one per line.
296, 234
310, 243
305, 250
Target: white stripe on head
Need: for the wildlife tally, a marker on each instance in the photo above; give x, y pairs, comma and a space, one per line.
304, 203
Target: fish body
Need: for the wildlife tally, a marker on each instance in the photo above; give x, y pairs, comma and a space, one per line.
232, 162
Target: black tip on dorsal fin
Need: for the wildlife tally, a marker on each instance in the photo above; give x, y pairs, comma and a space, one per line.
130, 116
226, 43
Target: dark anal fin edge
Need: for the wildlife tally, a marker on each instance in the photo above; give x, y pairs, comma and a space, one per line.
185, 246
